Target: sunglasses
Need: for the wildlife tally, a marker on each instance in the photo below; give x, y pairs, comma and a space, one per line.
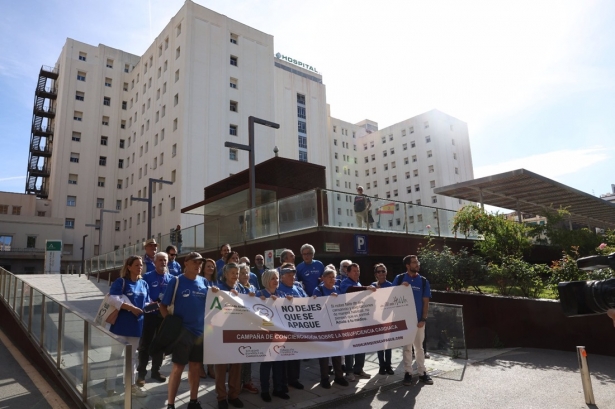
172, 255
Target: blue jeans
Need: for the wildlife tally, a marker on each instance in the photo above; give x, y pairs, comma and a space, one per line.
359, 362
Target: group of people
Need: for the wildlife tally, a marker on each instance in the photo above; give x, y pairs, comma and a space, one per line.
155, 284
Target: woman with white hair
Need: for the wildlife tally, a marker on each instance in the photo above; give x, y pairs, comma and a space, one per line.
328, 288
271, 281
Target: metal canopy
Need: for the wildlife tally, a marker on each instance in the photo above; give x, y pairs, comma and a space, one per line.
525, 191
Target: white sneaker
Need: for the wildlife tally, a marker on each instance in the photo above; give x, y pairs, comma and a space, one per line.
138, 391
350, 377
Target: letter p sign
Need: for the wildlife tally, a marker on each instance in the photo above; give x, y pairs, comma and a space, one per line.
360, 244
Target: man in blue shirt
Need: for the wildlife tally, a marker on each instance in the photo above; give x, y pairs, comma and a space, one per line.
174, 268
259, 268
354, 363
224, 250
309, 272
422, 294
157, 281
150, 252
289, 288
190, 306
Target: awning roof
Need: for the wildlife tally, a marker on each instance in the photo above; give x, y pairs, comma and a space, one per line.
525, 191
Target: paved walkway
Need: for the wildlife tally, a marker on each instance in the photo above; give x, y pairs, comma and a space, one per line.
483, 373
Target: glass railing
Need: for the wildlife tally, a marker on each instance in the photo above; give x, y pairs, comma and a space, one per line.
90, 359
294, 213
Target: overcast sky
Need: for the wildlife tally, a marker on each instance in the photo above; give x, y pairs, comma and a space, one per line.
534, 80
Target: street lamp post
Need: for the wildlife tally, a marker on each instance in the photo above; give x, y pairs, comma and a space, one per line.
100, 228
83, 255
149, 202
250, 148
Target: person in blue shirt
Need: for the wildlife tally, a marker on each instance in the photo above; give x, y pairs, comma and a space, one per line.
273, 369
208, 272
229, 282
190, 306
384, 357
309, 271
290, 288
328, 288
157, 281
224, 250
174, 267
231, 257
342, 272
246, 287
253, 278
151, 247
422, 294
354, 363
259, 268
132, 293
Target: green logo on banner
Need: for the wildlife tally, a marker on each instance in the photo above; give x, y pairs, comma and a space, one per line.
53, 245
215, 304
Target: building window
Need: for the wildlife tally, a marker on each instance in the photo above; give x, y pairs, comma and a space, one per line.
120, 164
177, 52
233, 60
302, 142
301, 112
74, 157
408, 189
417, 188
429, 154
100, 204
172, 203
82, 56
102, 161
303, 157
71, 201
80, 76
384, 153
174, 150
232, 130
178, 30
386, 181
232, 154
431, 170
101, 182
119, 183
434, 199
302, 126
122, 144
69, 223
414, 158
108, 82
301, 100
76, 136
233, 106
104, 140
415, 172
427, 139
384, 139
454, 156
175, 124
78, 116
176, 76
234, 38
105, 120
72, 179
407, 175
432, 184
80, 96
456, 171
233, 83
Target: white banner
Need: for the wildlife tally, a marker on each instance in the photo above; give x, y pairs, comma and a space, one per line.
247, 329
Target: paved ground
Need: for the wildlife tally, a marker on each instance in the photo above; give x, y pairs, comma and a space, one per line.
522, 378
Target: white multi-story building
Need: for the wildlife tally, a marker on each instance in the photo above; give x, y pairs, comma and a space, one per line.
106, 121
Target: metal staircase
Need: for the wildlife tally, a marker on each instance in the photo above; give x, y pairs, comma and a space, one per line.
41, 140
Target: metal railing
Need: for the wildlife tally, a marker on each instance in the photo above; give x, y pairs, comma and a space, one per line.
306, 210
74, 347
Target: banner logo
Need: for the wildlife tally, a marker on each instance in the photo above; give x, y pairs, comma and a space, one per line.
215, 304
263, 311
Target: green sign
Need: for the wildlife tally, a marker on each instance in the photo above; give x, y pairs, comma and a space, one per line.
53, 245
296, 62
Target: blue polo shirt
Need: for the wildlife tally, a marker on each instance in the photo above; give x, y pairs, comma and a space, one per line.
417, 290
219, 266
242, 289
149, 263
383, 285
174, 268
254, 280
295, 290
322, 291
225, 287
267, 294
138, 293
157, 284
189, 301
309, 275
347, 283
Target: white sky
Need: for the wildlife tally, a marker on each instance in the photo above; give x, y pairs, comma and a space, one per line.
534, 80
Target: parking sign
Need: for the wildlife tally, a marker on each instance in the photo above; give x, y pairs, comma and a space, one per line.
360, 244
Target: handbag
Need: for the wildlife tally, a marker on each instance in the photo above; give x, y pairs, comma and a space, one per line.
169, 331
109, 309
